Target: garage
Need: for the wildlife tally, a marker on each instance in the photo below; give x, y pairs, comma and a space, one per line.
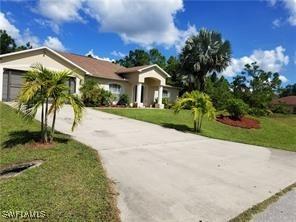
12, 83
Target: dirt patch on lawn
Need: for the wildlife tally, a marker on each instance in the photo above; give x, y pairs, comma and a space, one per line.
243, 122
40, 145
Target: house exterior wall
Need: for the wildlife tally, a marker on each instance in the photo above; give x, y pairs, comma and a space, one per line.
104, 83
24, 62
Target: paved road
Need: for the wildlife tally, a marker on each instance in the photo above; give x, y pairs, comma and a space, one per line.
166, 175
284, 210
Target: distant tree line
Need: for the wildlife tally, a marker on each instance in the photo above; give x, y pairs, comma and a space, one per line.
8, 44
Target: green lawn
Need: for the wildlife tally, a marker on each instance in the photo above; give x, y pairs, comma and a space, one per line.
278, 131
71, 184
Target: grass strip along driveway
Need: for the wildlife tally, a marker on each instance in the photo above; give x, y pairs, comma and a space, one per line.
277, 131
70, 185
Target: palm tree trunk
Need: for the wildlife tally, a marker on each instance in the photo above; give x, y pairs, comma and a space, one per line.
45, 138
42, 117
53, 125
200, 122
195, 125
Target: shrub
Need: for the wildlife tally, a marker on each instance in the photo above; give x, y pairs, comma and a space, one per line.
106, 98
165, 102
90, 93
94, 95
236, 108
259, 112
279, 109
123, 100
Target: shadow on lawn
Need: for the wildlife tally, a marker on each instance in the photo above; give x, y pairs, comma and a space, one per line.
179, 127
24, 136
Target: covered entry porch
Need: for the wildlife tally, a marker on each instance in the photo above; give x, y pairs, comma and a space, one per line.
148, 94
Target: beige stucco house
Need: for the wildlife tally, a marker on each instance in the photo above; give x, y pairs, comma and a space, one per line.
144, 84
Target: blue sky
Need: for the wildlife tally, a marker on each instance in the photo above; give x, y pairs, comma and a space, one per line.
262, 31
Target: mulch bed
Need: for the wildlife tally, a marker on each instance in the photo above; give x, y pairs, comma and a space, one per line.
244, 122
37, 145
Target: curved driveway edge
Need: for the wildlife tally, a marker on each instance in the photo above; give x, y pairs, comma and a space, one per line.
166, 175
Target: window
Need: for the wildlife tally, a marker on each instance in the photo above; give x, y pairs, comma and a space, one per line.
72, 85
165, 94
115, 89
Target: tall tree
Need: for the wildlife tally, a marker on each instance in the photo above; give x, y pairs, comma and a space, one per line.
256, 86
138, 57
203, 54
289, 90
173, 67
156, 57
141, 57
219, 90
8, 44
263, 85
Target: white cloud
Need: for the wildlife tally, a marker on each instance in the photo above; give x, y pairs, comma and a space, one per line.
45, 23
276, 23
60, 11
15, 33
290, 5
269, 60
10, 28
21, 38
117, 54
183, 36
283, 79
54, 43
92, 54
146, 23
142, 22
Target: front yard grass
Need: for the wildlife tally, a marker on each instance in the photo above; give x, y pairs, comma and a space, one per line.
70, 185
278, 131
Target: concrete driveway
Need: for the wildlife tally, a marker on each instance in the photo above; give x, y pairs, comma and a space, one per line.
165, 175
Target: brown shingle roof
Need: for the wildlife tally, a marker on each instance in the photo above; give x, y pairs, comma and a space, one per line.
96, 67
288, 100
131, 69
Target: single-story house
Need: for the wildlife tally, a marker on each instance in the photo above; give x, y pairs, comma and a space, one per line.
289, 102
143, 84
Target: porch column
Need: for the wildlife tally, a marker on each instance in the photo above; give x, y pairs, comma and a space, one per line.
159, 102
77, 81
139, 94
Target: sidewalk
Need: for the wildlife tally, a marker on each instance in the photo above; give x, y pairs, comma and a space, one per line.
282, 210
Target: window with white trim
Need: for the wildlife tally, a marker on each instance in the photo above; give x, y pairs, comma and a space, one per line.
115, 89
165, 94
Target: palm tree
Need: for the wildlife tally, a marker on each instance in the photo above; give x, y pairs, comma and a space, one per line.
200, 105
59, 92
41, 86
203, 54
33, 95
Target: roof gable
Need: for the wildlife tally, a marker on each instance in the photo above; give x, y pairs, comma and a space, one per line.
138, 69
